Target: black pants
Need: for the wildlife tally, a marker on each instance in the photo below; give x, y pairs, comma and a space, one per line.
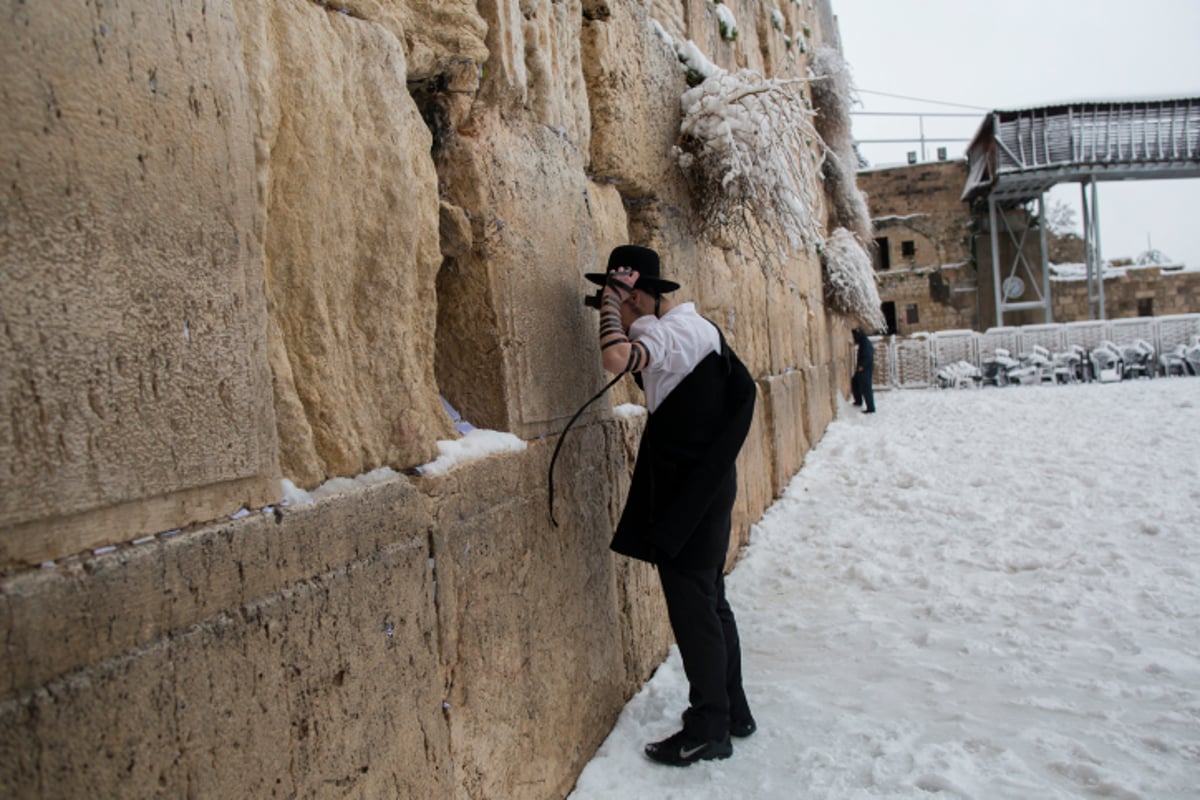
707, 635
861, 390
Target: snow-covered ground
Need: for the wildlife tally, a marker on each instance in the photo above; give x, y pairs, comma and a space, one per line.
971, 594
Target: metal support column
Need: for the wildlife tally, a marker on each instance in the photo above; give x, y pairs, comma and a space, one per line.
1045, 259
994, 233
1091, 243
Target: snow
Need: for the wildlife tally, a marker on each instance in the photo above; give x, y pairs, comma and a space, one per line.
475, 444
746, 140
629, 410
726, 22
986, 593
850, 279
1078, 272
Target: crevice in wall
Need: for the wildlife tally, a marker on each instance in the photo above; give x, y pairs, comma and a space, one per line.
431, 98
337, 8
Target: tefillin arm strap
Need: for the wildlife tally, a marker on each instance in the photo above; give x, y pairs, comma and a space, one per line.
563, 438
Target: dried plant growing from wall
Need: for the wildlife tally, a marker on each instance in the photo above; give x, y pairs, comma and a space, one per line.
850, 280
833, 93
752, 158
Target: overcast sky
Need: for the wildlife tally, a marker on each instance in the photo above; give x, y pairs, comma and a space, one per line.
1028, 53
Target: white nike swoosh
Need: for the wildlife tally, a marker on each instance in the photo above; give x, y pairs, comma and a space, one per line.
686, 752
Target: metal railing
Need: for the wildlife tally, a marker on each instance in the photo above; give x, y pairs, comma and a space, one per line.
913, 362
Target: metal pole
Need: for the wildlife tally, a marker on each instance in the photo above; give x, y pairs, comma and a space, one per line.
995, 260
1088, 248
1045, 259
921, 122
1096, 234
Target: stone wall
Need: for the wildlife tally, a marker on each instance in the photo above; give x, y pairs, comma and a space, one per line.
250, 242
1139, 292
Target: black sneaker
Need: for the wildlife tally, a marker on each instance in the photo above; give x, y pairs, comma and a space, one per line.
741, 728
681, 750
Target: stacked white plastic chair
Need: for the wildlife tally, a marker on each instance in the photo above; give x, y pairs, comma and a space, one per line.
999, 367
1068, 365
1108, 364
959, 375
1139, 360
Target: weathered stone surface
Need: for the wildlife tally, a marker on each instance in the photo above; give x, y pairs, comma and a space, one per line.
634, 82
512, 328
288, 651
534, 66
94, 608
436, 33
645, 630
350, 236
782, 406
529, 616
755, 491
132, 364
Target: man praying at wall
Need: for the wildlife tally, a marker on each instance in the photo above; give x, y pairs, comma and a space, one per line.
677, 515
864, 372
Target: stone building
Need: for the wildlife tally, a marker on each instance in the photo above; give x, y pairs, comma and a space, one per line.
933, 259
1130, 290
923, 246
248, 249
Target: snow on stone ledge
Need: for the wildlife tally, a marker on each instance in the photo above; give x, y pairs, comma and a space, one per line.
473, 446
628, 410
293, 495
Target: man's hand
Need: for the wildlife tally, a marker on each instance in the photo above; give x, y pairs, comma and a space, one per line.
621, 281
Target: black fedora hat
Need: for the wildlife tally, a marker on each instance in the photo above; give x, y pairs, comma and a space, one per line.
642, 259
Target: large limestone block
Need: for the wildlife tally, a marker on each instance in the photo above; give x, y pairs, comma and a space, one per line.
516, 346
530, 629
437, 34
755, 485
350, 199
297, 651
328, 688
132, 365
93, 608
634, 83
645, 628
534, 68
783, 400
819, 401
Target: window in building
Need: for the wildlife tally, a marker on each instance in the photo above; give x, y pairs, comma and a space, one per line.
883, 259
1145, 306
908, 249
910, 314
889, 315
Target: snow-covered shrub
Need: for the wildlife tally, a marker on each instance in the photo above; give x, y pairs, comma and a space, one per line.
697, 67
850, 280
726, 22
752, 158
833, 93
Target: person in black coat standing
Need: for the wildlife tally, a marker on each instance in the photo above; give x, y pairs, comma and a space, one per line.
678, 512
864, 372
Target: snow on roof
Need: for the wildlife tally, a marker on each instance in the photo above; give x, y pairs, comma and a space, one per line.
1078, 272
1090, 101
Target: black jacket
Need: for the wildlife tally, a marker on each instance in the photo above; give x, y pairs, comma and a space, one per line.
866, 351
685, 467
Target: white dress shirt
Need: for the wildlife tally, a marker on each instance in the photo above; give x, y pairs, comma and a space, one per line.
676, 342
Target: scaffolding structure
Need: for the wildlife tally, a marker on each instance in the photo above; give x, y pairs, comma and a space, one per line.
1017, 156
